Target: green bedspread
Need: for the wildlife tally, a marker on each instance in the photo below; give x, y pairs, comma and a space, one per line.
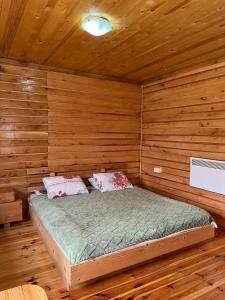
87, 226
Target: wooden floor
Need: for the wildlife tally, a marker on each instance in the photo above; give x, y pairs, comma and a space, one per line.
196, 273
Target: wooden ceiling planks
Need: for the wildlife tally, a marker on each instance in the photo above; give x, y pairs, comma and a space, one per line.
150, 39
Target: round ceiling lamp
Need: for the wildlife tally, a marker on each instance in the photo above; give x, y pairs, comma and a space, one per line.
96, 26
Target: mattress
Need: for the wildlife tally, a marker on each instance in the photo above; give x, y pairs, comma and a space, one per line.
90, 225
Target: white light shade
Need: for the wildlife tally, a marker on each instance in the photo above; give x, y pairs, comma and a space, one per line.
96, 25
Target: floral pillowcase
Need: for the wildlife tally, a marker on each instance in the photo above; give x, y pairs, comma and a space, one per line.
59, 186
107, 182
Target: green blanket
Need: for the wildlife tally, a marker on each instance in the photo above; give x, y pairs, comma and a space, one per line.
89, 225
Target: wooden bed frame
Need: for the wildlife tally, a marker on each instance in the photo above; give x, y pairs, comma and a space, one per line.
74, 274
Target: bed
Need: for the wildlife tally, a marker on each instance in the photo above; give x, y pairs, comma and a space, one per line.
89, 236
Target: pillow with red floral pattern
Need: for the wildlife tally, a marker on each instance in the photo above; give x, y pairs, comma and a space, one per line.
107, 182
60, 186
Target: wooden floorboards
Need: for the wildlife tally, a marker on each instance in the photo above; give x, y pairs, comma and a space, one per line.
196, 273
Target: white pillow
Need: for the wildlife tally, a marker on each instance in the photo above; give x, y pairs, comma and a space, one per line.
59, 186
107, 182
39, 193
93, 182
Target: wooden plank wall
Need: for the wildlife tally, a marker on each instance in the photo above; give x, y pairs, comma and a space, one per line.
65, 123
93, 124
183, 117
23, 124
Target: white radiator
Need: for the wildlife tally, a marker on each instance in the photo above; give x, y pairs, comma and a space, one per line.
208, 175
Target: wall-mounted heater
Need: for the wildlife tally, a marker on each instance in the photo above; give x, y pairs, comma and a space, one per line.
208, 175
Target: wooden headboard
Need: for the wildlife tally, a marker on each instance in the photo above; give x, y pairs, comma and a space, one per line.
35, 175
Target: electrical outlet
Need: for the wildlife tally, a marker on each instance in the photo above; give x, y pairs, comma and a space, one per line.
157, 170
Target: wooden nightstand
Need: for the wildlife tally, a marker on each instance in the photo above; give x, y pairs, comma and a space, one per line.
10, 208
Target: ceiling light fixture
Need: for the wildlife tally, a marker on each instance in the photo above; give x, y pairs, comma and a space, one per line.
96, 26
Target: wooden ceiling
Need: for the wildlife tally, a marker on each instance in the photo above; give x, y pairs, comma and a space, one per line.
150, 38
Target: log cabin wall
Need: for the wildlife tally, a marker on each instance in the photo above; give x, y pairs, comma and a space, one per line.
23, 125
55, 122
93, 124
183, 117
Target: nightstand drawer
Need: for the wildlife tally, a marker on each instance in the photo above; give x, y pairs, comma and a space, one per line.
6, 195
10, 212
